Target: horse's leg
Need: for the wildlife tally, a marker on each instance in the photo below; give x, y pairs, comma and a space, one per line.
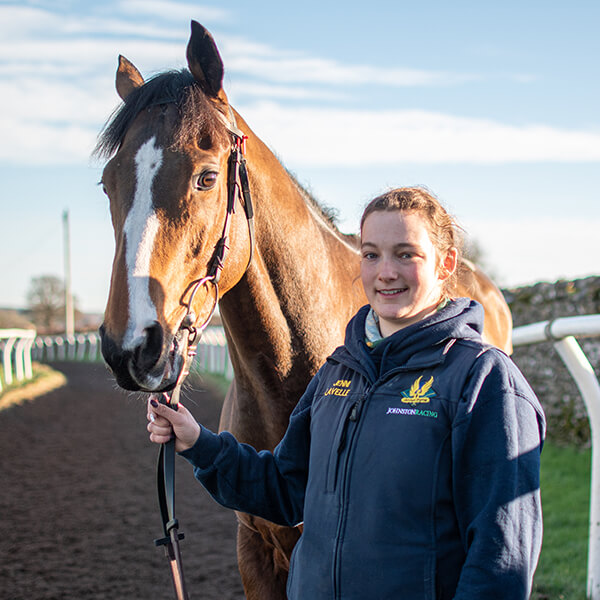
264, 551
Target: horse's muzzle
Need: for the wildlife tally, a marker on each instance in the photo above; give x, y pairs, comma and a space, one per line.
145, 367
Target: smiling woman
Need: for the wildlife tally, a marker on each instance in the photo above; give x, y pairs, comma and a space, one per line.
382, 459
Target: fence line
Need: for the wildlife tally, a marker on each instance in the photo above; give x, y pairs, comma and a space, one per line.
212, 354
562, 331
79, 347
15, 347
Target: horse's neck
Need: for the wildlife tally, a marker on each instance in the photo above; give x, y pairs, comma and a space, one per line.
289, 311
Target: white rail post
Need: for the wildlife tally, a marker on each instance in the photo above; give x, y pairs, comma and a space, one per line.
560, 332
7, 360
585, 378
27, 358
20, 358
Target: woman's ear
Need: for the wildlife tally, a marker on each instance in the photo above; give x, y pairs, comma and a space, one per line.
448, 264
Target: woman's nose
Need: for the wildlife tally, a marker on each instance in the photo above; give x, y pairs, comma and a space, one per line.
387, 270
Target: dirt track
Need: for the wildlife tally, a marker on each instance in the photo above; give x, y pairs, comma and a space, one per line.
78, 509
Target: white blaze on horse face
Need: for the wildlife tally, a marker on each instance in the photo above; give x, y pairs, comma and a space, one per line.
141, 227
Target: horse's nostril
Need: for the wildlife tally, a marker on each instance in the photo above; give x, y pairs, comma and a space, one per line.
147, 354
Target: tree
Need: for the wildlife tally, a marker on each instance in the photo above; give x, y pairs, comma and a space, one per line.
46, 301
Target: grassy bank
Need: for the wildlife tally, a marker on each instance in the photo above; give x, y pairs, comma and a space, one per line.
44, 380
562, 571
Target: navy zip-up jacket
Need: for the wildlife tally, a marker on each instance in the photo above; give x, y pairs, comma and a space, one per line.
414, 467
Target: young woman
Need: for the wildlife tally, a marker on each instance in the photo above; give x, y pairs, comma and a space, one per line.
413, 456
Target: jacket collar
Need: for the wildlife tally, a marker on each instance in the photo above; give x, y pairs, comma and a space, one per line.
420, 345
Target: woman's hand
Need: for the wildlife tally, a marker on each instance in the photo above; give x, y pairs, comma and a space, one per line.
164, 422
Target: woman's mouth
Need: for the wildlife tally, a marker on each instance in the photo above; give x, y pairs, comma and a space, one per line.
392, 293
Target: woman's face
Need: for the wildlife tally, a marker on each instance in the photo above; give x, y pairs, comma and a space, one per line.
401, 271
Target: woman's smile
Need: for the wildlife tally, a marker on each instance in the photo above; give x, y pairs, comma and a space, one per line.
393, 292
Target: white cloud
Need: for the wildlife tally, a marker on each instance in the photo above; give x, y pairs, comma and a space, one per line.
317, 70
314, 136
240, 88
166, 9
84, 54
301, 136
58, 78
34, 143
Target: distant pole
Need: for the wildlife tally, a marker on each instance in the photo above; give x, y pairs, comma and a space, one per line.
69, 313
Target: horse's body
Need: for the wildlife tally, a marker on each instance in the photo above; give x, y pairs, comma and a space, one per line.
283, 313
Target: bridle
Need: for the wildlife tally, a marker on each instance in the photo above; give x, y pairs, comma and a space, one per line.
238, 190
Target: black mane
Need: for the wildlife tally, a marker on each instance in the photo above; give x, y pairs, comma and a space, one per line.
197, 115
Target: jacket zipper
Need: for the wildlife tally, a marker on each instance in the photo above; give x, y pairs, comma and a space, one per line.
352, 417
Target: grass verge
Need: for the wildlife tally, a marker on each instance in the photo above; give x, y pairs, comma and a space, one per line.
565, 485
44, 380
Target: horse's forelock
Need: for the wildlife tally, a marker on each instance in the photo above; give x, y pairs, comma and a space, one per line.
198, 117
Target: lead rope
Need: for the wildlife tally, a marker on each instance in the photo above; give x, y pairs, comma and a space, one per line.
165, 479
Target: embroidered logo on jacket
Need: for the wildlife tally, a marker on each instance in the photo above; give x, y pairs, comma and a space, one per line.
419, 394
340, 388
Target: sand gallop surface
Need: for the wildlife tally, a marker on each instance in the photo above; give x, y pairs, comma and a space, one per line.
78, 508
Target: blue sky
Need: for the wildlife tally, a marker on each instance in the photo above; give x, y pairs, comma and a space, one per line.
493, 106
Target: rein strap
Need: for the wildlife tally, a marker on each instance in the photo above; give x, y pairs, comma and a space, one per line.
165, 479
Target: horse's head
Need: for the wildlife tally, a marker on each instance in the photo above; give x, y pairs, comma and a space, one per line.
171, 144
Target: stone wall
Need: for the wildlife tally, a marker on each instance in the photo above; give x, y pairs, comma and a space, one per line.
540, 363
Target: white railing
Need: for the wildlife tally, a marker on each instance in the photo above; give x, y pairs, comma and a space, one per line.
212, 354
79, 347
561, 332
15, 347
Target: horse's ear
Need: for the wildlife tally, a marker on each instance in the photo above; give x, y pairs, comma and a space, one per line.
128, 78
205, 61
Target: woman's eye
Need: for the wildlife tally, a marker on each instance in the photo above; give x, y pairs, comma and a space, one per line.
369, 255
206, 180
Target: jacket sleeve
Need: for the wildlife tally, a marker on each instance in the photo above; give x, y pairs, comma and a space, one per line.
497, 439
265, 484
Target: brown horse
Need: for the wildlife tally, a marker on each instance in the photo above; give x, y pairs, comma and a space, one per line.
285, 290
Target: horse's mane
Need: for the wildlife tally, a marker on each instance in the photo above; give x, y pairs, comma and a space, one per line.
198, 117
328, 213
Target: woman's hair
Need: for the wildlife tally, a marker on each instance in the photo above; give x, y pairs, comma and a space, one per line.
443, 229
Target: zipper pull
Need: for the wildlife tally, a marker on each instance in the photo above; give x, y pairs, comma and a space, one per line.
353, 416
355, 412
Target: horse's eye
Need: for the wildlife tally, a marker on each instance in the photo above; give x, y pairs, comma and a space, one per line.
206, 180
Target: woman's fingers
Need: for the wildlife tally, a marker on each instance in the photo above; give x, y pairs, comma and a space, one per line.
164, 422
159, 427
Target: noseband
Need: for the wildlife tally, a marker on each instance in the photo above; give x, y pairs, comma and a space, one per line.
238, 189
